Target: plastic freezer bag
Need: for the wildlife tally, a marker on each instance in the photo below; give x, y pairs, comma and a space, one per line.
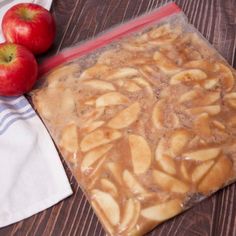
144, 116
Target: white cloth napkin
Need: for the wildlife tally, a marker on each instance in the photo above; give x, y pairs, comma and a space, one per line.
32, 177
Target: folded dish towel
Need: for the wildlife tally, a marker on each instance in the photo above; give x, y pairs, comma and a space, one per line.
32, 177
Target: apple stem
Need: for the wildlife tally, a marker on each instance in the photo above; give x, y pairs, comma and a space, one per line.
26, 14
9, 58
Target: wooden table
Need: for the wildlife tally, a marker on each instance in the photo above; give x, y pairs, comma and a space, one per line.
79, 20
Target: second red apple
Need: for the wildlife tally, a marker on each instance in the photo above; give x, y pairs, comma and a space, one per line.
18, 69
30, 25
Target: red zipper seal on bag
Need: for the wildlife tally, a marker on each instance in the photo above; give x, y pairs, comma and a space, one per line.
106, 38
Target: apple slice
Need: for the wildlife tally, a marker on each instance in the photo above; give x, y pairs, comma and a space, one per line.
184, 171
202, 154
194, 142
190, 75
98, 138
109, 186
114, 56
140, 81
69, 138
173, 120
131, 214
96, 172
161, 149
163, 35
188, 96
200, 44
227, 77
150, 196
167, 164
126, 117
165, 64
53, 78
122, 73
130, 181
157, 114
202, 125
108, 205
95, 72
112, 98
90, 102
160, 31
201, 64
134, 47
163, 158
201, 170
148, 71
143, 83
222, 70
49, 99
178, 141
91, 115
162, 211
200, 97
219, 174
218, 125
211, 110
66, 102
140, 153
169, 183
99, 85
131, 86
119, 82
91, 157
230, 98
116, 171
210, 83
92, 126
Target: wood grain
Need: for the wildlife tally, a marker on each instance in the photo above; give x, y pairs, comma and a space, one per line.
78, 20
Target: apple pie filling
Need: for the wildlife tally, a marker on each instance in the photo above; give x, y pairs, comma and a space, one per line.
147, 125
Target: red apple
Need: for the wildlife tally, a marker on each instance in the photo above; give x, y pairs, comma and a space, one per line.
30, 25
18, 69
